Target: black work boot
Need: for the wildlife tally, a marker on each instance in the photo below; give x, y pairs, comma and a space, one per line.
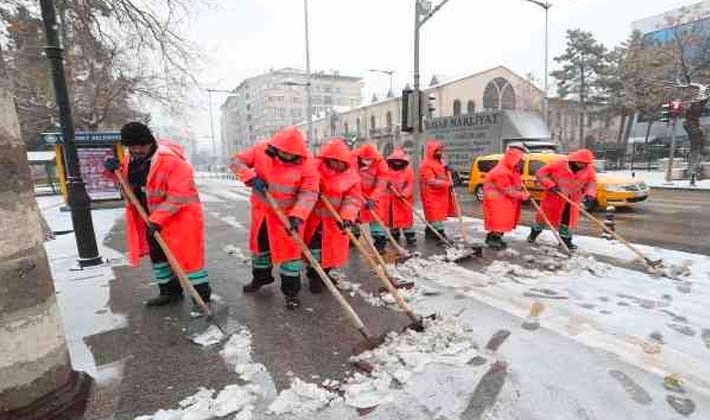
534, 233
260, 277
410, 238
380, 243
315, 284
205, 292
441, 237
290, 285
396, 233
492, 241
170, 292
430, 235
568, 241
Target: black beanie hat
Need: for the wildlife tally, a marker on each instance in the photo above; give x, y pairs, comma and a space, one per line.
136, 133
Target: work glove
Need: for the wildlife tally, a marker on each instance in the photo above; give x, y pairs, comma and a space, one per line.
369, 204
345, 225
556, 189
258, 184
111, 164
294, 223
153, 228
589, 202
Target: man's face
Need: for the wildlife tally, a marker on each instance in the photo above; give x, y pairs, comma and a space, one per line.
577, 166
519, 166
439, 153
336, 165
286, 156
140, 151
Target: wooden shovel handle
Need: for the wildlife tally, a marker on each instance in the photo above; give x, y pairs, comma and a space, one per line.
378, 269
359, 325
422, 218
174, 263
393, 241
547, 222
605, 229
457, 207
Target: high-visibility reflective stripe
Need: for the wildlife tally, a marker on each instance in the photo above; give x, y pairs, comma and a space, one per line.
306, 199
291, 268
283, 203
156, 193
437, 182
282, 188
194, 198
334, 201
261, 261
166, 207
352, 201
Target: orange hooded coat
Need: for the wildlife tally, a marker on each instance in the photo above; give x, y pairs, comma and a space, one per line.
293, 185
374, 181
342, 190
574, 185
435, 185
397, 214
503, 193
174, 204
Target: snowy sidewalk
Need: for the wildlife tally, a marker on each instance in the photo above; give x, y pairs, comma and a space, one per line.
657, 179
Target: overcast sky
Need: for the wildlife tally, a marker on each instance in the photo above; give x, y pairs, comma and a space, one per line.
242, 38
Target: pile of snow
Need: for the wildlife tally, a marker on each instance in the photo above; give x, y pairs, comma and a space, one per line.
302, 398
658, 179
204, 404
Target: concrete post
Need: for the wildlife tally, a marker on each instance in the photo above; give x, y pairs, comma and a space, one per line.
36, 378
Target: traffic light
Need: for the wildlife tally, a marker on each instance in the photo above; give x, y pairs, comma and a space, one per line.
427, 102
665, 113
407, 111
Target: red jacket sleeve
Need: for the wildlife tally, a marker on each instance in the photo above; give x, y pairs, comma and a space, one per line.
180, 191
352, 202
429, 178
242, 163
408, 189
544, 176
307, 191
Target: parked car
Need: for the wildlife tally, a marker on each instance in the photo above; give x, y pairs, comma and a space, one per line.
612, 190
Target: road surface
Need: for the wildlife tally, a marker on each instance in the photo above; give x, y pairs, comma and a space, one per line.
668, 219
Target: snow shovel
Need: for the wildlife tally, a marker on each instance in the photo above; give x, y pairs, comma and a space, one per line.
370, 341
462, 253
379, 270
651, 264
548, 223
172, 261
404, 255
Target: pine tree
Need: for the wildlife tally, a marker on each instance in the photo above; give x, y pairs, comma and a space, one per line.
583, 66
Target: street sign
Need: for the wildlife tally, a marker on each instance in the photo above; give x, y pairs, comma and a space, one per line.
83, 137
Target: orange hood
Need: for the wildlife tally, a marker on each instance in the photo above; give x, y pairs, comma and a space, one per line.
512, 157
398, 154
290, 140
368, 151
431, 147
336, 149
582, 156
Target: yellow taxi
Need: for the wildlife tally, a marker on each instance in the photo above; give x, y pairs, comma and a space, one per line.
612, 190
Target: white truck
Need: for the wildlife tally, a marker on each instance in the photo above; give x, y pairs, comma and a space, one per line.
470, 135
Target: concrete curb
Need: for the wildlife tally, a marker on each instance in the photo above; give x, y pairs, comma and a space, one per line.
679, 188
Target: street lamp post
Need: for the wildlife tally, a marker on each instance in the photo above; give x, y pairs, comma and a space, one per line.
422, 13
545, 6
388, 73
309, 103
77, 197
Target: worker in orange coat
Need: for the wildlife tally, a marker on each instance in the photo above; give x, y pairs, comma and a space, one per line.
502, 195
373, 175
163, 182
573, 177
398, 215
435, 188
283, 167
340, 185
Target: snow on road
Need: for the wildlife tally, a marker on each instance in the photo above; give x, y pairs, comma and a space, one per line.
532, 335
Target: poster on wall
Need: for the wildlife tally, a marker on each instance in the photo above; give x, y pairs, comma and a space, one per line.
91, 163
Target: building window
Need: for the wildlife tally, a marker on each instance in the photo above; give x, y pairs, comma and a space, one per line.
388, 119
372, 123
345, 128
457, 107
498, 94
471, 107
358, 126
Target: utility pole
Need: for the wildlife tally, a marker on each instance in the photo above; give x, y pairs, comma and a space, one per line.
214, 147
422, 13
77, 197
546, 6
309, 102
